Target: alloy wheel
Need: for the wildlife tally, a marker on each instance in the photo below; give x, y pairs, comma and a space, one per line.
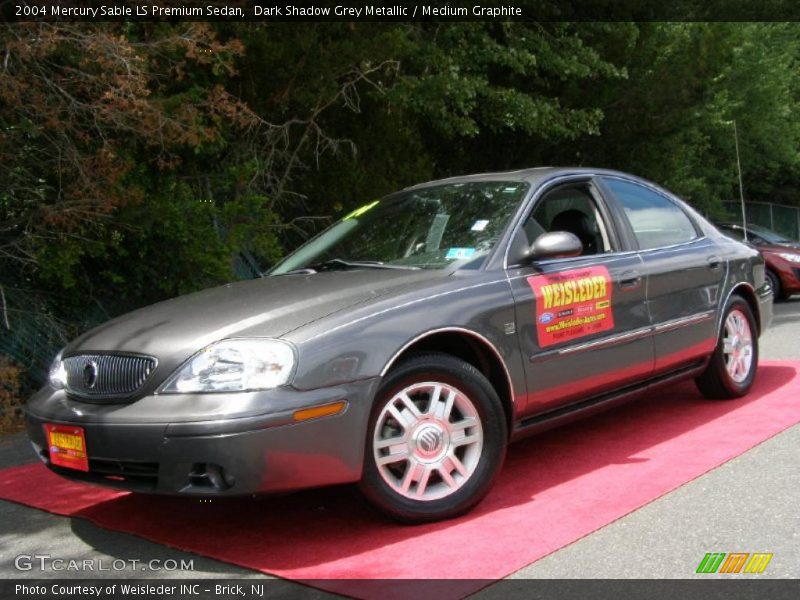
427, 441
737, 346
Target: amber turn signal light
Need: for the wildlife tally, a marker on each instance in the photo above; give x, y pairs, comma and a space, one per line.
326, 410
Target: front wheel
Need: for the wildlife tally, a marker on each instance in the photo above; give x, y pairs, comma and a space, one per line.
436, 440
775, 283
732, 369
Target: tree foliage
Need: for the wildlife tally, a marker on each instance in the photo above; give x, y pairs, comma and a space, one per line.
672, 120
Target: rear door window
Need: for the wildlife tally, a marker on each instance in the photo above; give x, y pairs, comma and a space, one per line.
656, 220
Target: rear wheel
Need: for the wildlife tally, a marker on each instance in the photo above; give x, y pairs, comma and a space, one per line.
732, 369
436, 440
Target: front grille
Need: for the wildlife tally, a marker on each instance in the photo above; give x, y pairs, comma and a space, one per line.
107, 375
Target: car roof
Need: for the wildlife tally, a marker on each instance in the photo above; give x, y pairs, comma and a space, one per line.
531, 175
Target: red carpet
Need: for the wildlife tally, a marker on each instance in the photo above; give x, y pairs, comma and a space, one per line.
555, 488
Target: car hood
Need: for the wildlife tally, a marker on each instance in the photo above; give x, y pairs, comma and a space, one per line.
175, 329
793, 248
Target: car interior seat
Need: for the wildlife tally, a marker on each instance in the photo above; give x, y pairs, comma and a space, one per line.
579, 224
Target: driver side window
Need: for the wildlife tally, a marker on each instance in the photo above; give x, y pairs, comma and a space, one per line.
572, 209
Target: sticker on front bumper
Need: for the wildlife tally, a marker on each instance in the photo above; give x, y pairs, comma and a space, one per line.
67, 446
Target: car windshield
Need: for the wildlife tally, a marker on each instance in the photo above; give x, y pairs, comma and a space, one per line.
771, 236
755, 234
449, 225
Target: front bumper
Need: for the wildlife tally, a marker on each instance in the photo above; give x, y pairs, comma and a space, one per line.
178, 449
788, 273
791, 280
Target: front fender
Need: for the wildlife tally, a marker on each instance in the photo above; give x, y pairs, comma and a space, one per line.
361, 343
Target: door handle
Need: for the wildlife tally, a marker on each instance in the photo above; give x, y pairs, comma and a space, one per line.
714, 263
630, 280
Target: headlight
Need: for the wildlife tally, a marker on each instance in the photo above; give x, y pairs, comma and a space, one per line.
795, 258
234, 366
58, 374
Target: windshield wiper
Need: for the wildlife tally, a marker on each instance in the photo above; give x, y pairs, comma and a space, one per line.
341, 264
304, 271
335, 264
338, 263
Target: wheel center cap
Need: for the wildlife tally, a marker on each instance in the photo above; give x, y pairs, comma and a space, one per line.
429, 440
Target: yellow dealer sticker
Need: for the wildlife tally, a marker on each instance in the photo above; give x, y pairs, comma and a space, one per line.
360, 210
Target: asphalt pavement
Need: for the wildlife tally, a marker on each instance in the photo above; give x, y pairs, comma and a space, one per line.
748, 504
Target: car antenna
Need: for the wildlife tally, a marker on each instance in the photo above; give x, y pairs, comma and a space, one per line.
741, 186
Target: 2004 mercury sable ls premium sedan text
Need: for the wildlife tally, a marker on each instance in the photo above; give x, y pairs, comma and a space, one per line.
404, 346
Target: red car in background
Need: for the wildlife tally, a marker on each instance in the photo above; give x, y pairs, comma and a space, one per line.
782, 256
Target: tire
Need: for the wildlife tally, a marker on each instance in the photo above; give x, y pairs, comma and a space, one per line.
778, 294
420, 482
721, 381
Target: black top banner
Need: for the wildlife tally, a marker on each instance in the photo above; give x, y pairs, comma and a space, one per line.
398, 11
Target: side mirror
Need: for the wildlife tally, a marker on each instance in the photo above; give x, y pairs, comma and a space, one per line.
556, 244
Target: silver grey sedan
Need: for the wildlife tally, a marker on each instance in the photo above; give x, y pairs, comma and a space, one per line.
407, 344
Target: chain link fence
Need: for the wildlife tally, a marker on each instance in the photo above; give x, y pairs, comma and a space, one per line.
777, 217
29, 337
